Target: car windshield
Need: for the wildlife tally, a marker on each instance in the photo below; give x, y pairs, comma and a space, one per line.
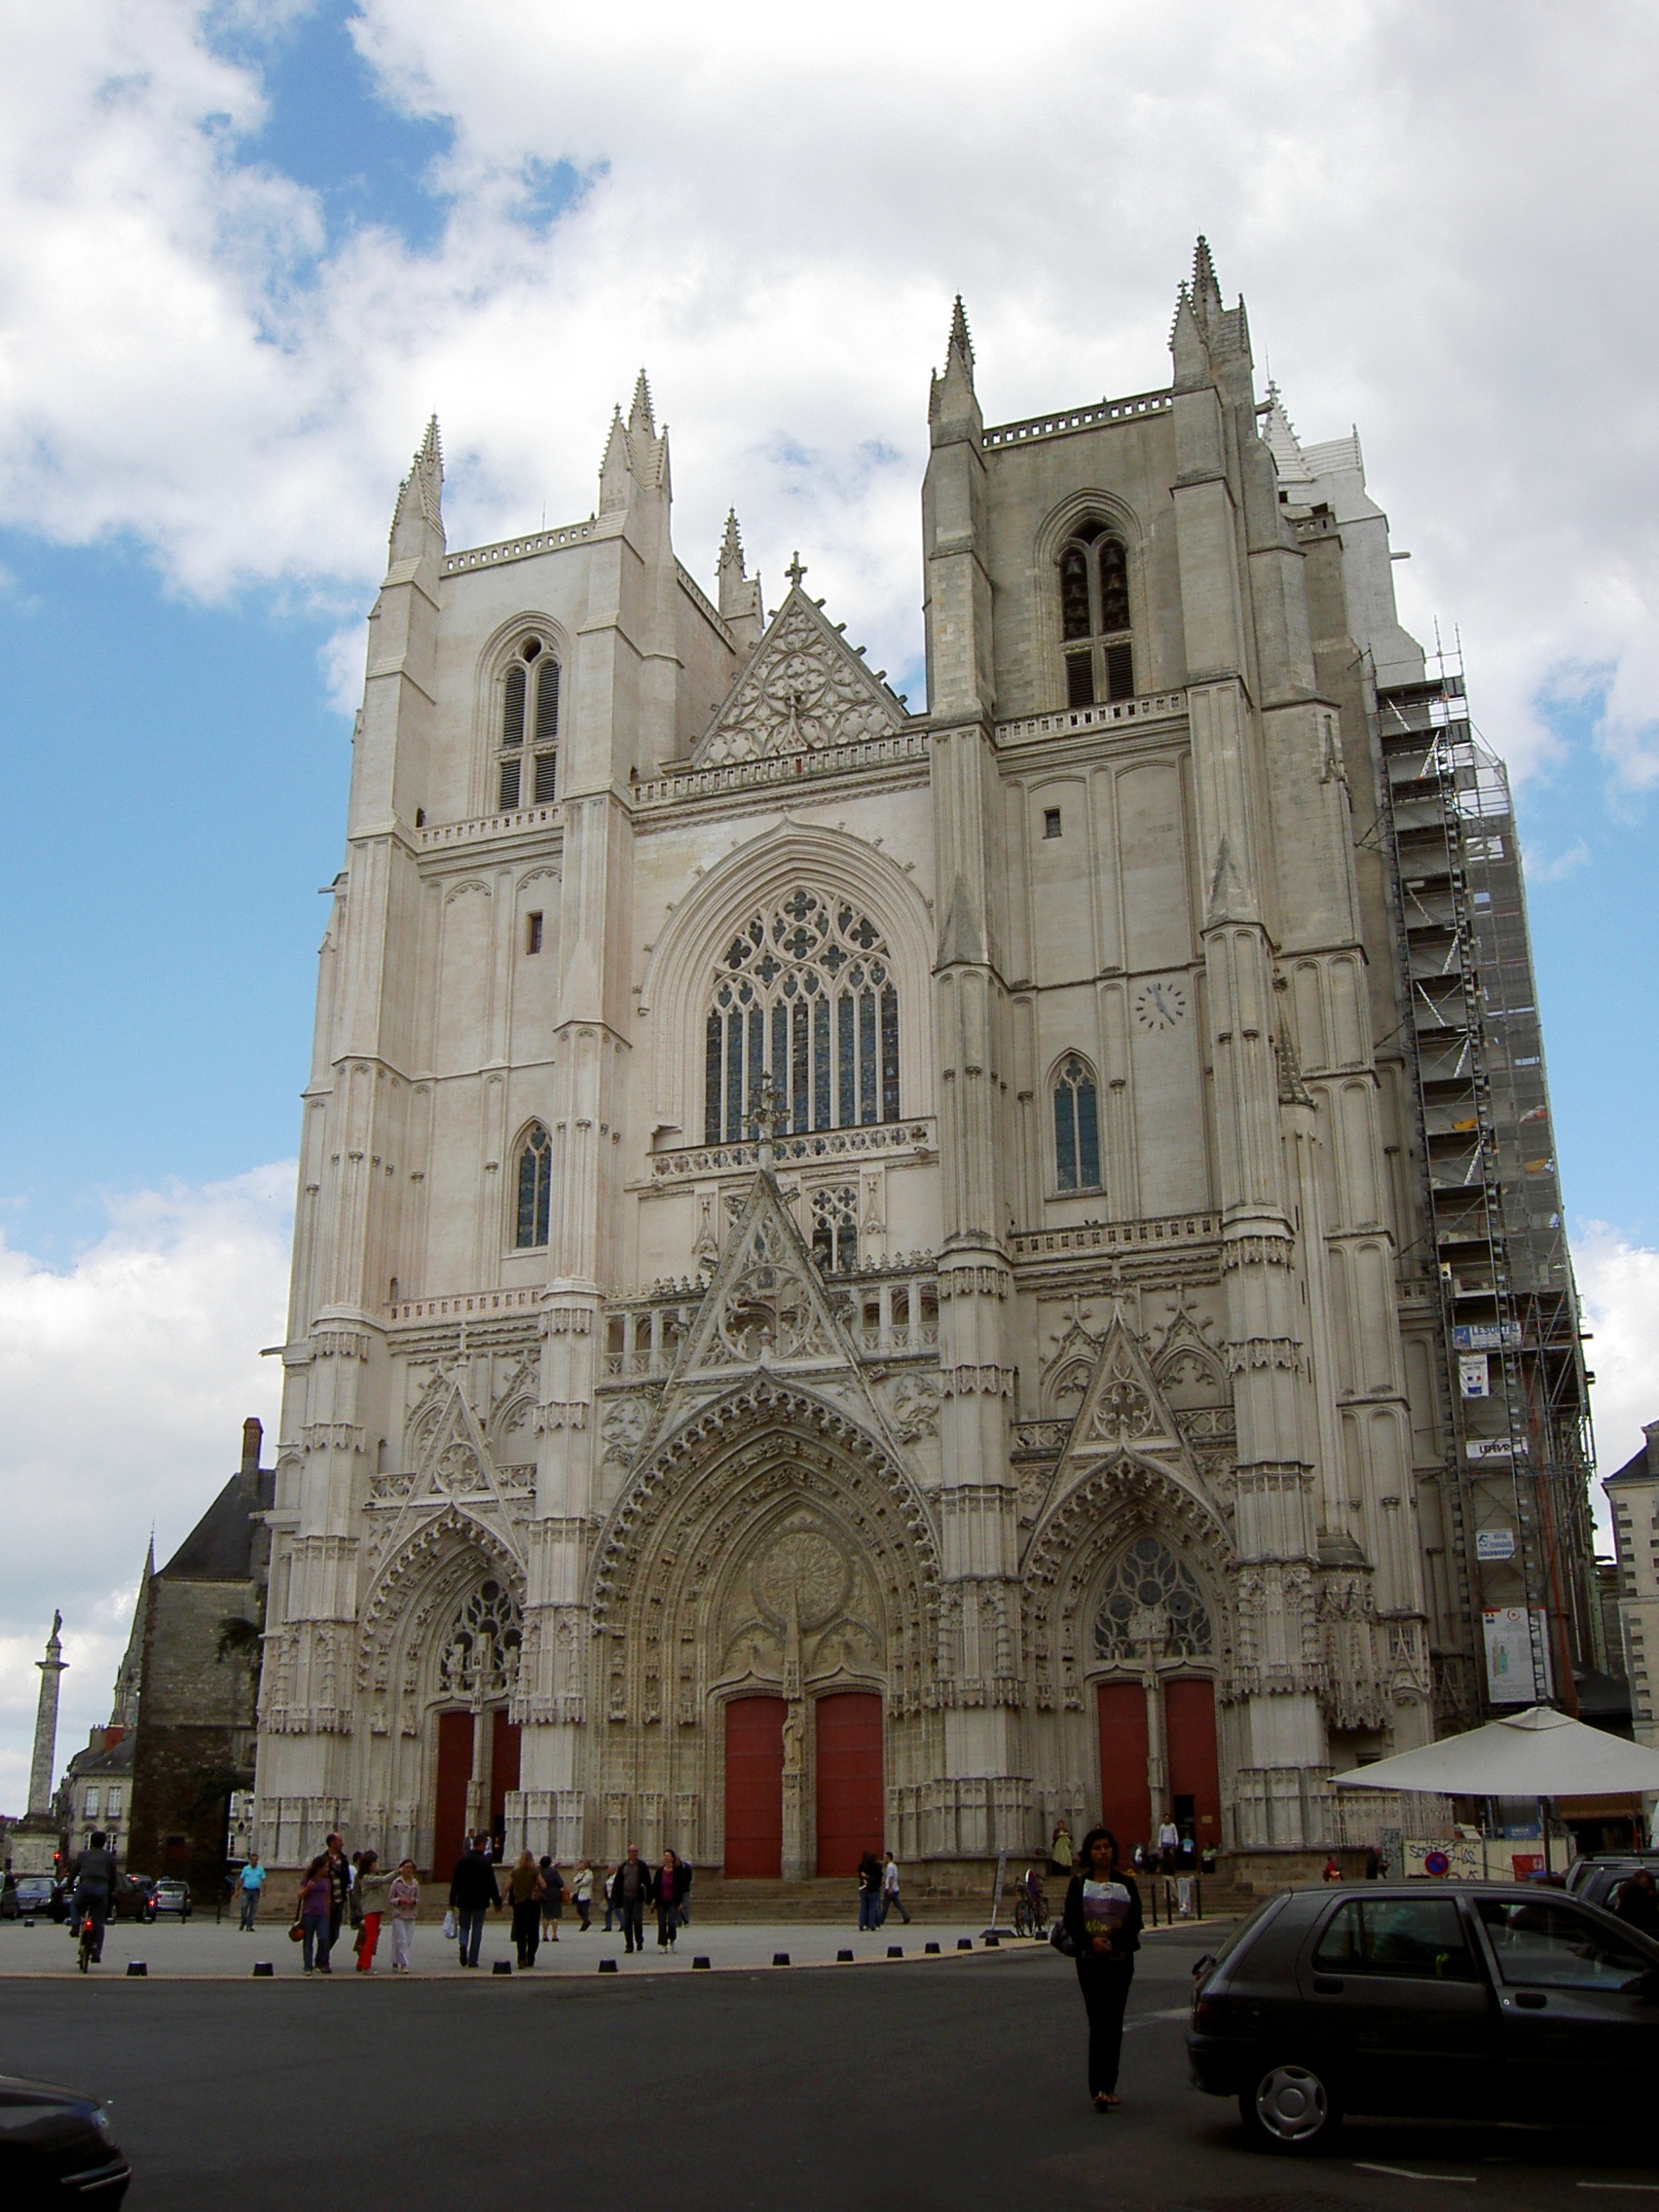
1545, 1945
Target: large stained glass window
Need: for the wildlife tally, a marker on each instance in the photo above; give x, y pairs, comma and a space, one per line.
803, 992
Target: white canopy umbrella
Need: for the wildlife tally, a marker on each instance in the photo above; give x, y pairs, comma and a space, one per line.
1535, 1754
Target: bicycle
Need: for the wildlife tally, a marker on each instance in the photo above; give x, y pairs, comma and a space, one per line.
87, 1949
1029, 1918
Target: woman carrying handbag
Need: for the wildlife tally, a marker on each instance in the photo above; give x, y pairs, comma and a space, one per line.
1103, 1921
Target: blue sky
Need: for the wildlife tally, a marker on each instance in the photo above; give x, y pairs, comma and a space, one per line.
247, 245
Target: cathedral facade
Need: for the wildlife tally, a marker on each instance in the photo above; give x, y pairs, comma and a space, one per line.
857, 1275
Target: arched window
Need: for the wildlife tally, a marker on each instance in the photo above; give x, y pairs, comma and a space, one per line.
534, 1189
804, 992
1077, 1127
528, 769
1094, 617
835, 1226
1153, 1601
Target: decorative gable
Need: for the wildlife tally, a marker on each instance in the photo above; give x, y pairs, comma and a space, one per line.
453, 1467
766, 1305
804, 690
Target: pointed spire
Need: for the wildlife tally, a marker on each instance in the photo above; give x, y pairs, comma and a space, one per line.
1206, 291
952, 407
960, 340
739, 594
640, 416
419, 509
613, 468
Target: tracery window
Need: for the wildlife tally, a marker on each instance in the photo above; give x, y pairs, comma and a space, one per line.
482, 1649
534, 1189
527, 769
835, 1226
1153, 1600
1094, 617
1077, 1127
803, 992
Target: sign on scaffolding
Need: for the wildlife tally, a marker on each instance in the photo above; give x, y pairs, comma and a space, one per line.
1517, 1647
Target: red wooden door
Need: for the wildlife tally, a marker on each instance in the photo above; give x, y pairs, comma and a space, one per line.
449, 1808
1124, 1805
504, 1770
755, 1786
1189, 1721
851, 1805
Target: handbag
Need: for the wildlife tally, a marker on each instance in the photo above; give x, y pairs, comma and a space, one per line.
296, 1933
449, 1926
1059, 1938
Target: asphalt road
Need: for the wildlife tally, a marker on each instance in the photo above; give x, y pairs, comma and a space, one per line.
910, 2087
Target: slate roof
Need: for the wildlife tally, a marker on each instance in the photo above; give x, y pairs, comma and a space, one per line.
220, 1546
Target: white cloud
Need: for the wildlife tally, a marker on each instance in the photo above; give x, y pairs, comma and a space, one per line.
1439, 217
1619, 1284
123, 1383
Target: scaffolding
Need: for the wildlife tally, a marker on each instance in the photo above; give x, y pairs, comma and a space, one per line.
1509, 1319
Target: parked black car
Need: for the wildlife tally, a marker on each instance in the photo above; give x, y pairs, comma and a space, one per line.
1598, 1879
135, 1897
27, 1897
56, 2149
1467, 2000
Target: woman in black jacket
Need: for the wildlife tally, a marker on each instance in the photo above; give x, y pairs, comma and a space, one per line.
1103, 1919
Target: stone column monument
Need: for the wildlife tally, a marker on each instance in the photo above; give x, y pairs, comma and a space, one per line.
46, 1721
33, 1842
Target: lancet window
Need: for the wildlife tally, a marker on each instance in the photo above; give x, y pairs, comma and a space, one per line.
534, 1189
528, 764
1077, 1127
1094, 617
804, 993
1153, 1605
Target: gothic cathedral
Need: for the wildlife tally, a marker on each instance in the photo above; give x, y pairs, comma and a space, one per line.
858, 1272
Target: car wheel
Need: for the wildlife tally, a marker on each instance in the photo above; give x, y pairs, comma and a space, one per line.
1291, 2107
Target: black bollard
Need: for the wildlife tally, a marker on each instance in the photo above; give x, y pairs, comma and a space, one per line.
263, 1968
780, 1958
932, 1949
843, 1958
136, 1967
607, 1966
701, 1962
502, 1966
895, 1950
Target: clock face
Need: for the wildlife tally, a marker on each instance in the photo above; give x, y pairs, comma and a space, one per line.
1160, 1006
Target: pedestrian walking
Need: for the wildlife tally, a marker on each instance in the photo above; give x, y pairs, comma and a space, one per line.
1331, 1871
251, 1882
338, 1884
666, 1890
869, 1893
1060, 1854
891, 1900
523, 1887
1168, 1843
682, 1911
1103, 1920
552, 1899
581, 1889
1638, 1902
314, 1909
403, 1897
473, 1892
631, 1887
370, 1890
611, 1901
